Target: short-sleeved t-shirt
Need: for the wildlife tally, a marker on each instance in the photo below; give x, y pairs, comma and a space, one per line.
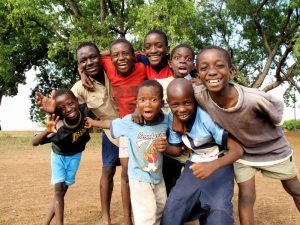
204, 137
153, 74
69, 141
124, 88
145, 162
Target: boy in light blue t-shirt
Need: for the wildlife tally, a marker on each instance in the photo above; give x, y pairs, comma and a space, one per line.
208, 174
147, 187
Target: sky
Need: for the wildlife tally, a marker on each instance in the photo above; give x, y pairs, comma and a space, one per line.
14, 111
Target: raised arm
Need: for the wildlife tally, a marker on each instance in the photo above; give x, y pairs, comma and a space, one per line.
205, 169
46, 104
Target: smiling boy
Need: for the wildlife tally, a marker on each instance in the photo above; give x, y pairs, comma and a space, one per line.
208, 174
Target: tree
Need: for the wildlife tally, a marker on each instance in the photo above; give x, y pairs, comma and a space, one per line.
262, 36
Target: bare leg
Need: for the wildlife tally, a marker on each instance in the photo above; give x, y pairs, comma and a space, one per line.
50, 213
292, 186
247, 196
125, 192
106, 189
57, 206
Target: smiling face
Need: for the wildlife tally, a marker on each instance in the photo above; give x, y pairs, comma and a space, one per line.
149, 103
67, 106
123, 58
181, 62
181, 100
88, 59
155, 48
214, 70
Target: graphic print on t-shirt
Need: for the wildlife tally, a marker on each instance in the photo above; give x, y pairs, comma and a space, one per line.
145, 143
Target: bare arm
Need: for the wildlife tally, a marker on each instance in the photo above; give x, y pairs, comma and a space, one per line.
86, 81
46, 104
137, 117
50, 128
162, 145
97, 123
204, 170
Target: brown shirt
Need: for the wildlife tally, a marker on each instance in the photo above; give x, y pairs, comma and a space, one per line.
100, 102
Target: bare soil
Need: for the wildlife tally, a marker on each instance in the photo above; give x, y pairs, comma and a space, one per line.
26, 193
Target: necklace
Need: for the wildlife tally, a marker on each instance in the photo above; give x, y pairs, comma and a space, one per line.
72, 126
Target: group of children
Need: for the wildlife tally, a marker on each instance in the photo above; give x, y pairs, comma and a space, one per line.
127, 91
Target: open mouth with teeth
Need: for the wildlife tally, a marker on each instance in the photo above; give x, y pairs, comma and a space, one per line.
183, 117
182, 70
72, 115
213, 82
123, 66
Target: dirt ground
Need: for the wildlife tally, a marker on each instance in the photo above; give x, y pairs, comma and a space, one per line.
25, 190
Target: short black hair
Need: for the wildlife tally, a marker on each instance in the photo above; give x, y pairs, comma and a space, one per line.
87, 43
153, 83
159, 32
60, 92
182, 46
226, 53
65, 91
122, 40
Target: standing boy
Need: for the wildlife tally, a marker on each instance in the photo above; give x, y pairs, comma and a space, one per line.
253, 117
99, 100
147, 188
208, 174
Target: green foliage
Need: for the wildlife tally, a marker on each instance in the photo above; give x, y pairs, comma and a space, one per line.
262, 36
291, 124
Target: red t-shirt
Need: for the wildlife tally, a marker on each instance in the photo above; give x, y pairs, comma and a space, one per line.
153, 74
124, 88
163, 73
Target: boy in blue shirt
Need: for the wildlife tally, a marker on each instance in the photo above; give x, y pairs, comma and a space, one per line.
147, 187
208, 175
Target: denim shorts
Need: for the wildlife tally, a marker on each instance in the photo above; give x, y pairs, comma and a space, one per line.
64, 168
110, 153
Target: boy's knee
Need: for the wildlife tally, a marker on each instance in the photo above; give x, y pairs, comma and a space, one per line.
108, 172
60, 189
247, 196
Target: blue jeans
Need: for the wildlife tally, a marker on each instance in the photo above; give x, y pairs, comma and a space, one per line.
214, 193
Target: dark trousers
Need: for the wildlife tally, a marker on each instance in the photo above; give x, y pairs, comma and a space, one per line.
214, 194
171, 172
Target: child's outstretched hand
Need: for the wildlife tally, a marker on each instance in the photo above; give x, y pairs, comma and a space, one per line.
160, 144
50, 124
203, 170
88, 122
86, 81
137, 117
46, 104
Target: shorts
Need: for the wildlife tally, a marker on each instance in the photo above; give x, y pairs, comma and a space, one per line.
64, 168
148, 201
281, 171
123, 147
110, 153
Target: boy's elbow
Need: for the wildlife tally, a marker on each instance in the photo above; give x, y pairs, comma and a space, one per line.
240, 152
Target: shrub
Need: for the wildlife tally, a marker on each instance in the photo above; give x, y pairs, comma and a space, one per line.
291, 124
